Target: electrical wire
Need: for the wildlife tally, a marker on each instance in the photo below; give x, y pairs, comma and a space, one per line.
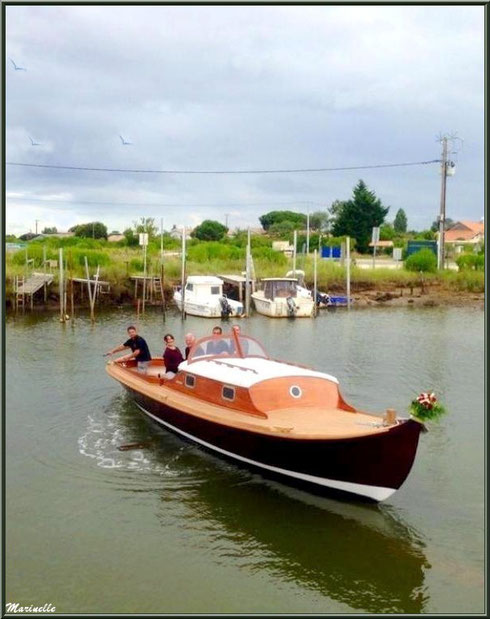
165, 204
279, 171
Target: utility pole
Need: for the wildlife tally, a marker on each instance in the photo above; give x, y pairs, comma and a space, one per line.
308, 231
37, 221
442, 214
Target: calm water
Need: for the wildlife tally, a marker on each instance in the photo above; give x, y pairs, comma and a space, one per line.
172, 529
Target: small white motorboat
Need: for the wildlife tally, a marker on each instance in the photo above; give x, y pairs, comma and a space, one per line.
204, 297
280, 298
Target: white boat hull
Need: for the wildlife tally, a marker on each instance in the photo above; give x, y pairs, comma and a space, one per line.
205, 308
279, 307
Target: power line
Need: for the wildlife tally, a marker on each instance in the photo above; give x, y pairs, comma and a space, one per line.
165, 204
279, 171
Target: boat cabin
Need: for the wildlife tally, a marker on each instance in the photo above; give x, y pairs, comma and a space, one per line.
280, 287
204, 286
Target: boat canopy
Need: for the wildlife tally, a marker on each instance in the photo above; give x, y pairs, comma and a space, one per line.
229, 345
286, 287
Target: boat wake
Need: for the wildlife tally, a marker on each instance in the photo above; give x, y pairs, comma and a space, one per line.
113, 428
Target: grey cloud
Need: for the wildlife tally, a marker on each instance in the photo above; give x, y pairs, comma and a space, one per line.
243, 87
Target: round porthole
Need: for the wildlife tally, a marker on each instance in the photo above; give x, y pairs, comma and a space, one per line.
295, 391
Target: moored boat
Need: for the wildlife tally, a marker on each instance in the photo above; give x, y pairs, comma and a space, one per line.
203, 296
281, 298
284, 420
323, 299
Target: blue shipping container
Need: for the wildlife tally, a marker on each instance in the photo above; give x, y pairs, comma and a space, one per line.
415, 246
331, 252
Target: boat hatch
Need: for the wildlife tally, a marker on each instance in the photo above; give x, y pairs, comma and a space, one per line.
226, 346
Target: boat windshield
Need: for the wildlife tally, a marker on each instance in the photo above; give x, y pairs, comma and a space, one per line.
225, 346
280, 288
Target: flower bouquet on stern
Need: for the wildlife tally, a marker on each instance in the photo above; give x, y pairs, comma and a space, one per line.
426, 407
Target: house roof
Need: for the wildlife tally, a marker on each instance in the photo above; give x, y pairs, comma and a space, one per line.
464, 231
382, 244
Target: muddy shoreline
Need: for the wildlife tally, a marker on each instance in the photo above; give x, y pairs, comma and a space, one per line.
404, 297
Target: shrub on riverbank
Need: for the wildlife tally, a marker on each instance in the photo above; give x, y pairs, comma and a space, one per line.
424, 261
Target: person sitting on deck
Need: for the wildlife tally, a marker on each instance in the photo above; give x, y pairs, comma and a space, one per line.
216, 346
172, 357
139, 351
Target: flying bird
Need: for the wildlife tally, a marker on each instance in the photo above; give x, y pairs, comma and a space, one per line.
125, 142
34, 143
16, 67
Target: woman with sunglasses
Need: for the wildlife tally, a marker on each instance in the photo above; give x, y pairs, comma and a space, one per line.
172, 356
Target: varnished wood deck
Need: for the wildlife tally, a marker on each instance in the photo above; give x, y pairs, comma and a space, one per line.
294, 423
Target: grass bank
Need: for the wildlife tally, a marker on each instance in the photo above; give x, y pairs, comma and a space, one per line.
117, 264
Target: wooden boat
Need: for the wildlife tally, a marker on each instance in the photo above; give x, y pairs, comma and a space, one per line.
204, 297
280, 298
284, 420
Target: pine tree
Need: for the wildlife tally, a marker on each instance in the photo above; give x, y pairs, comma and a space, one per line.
400, 223
358, 216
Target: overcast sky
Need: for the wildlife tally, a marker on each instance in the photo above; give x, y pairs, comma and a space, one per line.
239, 88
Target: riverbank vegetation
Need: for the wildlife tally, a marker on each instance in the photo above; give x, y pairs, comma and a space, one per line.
211, 249
118, 262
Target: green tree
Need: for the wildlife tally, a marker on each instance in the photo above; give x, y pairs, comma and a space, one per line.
146, 224
282, 229
275, 217
358, 216
92, 230
448, 223
131, 237
319, 220
387, 232
52, 230
400, 223
209, 230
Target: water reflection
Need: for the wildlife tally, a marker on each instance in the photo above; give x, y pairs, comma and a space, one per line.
363, 556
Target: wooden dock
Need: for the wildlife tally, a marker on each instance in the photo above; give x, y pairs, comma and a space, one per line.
29, 286
34, 283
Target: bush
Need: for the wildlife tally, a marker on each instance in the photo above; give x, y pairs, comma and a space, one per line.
424, 260
269, 254
473, 262
204, 252
94, 258
136, 264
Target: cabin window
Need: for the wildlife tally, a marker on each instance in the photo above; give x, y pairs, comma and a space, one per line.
215, 290
190, 381
295, 391
190, 287
228, 393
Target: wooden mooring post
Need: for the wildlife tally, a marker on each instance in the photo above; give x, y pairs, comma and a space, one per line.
347, 256
44, 270
315, 305
61, 286
183, 274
